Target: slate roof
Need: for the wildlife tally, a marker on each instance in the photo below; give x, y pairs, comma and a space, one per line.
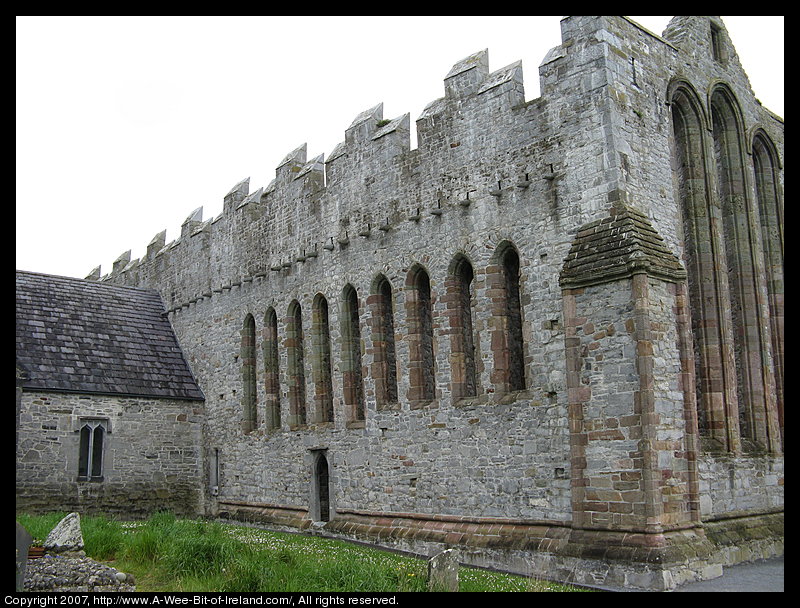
616, 247
87, 337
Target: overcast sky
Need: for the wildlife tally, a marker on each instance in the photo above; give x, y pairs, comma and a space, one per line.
125, 125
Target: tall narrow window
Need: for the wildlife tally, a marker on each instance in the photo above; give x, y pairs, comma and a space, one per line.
770, 208
295, 373
90, 456
248, 361
384, 367
743, 293
462, 344
506, 342
716, 43
271, 375
420, 336
321, 337
352, 381
713, 374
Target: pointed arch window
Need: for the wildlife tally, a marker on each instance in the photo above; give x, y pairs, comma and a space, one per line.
271, 370
248, 360
419, 316
384, 367
352, 380
742, 292
459, 288
92, 434
295, 373
770, 208
507, 338
321, 349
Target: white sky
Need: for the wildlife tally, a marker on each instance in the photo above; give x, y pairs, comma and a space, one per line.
125, 125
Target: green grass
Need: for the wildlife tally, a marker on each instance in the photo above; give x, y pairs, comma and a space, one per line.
165, 553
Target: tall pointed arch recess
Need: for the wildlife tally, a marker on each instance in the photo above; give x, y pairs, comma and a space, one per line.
248, 362
353, 383
321, 359
508, 348
384, 356
419, 316
743, 269
271, 370
295, 372
701, 236
459, 288
770, 207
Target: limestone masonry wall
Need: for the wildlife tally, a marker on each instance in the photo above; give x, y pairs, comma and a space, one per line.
153, 455
472, 377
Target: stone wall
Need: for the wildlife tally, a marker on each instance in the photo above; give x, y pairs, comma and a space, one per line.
152, 455
471, 230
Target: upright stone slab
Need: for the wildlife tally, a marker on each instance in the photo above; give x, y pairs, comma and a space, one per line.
66, 537
23, 541
443, 571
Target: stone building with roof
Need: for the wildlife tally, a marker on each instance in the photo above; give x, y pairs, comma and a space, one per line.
551, 335
109, 415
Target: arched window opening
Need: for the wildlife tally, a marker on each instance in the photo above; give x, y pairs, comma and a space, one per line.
420, 337
295, 372
459, 287
384, 366
770, 207
271, 370
741, 274
352, 381
507, 342
321, 337
248, 360
90, 456
701, 250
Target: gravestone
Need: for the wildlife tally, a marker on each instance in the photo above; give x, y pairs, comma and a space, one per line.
443, 571
66, 537
24, 540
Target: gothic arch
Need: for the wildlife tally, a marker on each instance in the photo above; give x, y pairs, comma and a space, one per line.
248, 362
459, 295
321, 359
419, 318
742, 265
384, 356
271, 369
352, 380
503, 282
701, 252
295, 368
769, 202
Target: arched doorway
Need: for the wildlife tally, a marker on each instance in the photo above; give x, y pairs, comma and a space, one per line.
322, 487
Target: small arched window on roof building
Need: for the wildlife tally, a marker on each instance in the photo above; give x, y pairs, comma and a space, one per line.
92, 448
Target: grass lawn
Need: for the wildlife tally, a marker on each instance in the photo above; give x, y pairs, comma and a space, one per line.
165, 553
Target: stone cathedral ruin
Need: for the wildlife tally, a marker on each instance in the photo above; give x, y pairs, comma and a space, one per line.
550, 336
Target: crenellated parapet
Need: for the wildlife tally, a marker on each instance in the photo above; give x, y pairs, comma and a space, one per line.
483, 154
315, 205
